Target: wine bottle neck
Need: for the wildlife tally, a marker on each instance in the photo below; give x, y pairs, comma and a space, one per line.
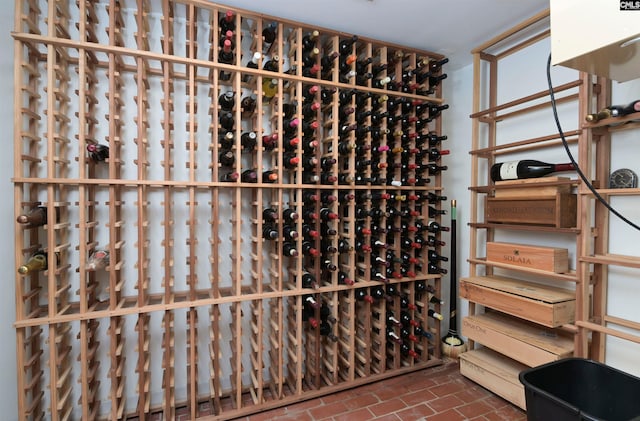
564, 167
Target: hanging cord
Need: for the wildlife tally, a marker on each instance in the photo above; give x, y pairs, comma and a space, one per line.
573, 161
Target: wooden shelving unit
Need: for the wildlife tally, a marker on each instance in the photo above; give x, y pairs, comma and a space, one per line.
522, 316
595, 253
194, 308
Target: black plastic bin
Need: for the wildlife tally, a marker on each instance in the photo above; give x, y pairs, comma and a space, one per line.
580, 389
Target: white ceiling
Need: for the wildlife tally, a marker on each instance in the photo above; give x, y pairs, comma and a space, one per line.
448, 27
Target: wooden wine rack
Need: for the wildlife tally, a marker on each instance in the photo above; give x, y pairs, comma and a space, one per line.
194, 308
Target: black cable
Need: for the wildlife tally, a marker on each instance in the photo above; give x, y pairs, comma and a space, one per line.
573, 161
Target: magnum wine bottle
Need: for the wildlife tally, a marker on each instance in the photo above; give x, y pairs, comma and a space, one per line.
526, 168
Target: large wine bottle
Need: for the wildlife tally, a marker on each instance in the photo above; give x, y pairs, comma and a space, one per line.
526, 168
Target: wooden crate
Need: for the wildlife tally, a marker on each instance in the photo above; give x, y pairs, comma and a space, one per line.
552, 259
545, 305
557, 211
494, 372
518, 339
524, 189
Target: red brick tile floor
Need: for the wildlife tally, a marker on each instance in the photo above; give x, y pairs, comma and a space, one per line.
434, 394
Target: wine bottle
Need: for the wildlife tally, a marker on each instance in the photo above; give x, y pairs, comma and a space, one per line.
289, 232
227, 100
252, 64
98, 152
361, 295
381, 82
226, 56
99, 259
526, 168
435, 315
290, 215
227, 140
272, 65
249, 176
269, 33
36, 217
327, 163
226, 120
327, 62
227, 22
347, 44
308, 232
614, 111
434, 154
269, 176
227, 158
230, 177
326, 330
290, 161
309, 40
419, 331
269, 232
248, 105
309, 281
249, 141
406, 351
270, 215
269, 87
289, 249
344, 279
310, 58
269, 142
309, 162
37, 262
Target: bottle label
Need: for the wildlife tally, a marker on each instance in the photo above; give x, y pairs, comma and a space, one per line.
509, 170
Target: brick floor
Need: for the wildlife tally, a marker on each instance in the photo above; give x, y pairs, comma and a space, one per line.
434, 394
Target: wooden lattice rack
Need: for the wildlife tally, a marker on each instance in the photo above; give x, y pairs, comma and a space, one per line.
194, 307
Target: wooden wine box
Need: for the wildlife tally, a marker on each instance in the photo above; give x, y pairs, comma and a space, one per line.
558, 210
542, 304
523, 341
551, 259
494, 372
539, 187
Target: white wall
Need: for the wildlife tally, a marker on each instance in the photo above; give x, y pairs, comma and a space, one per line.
8, 379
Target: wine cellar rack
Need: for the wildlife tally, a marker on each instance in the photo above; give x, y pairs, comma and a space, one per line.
193, 306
